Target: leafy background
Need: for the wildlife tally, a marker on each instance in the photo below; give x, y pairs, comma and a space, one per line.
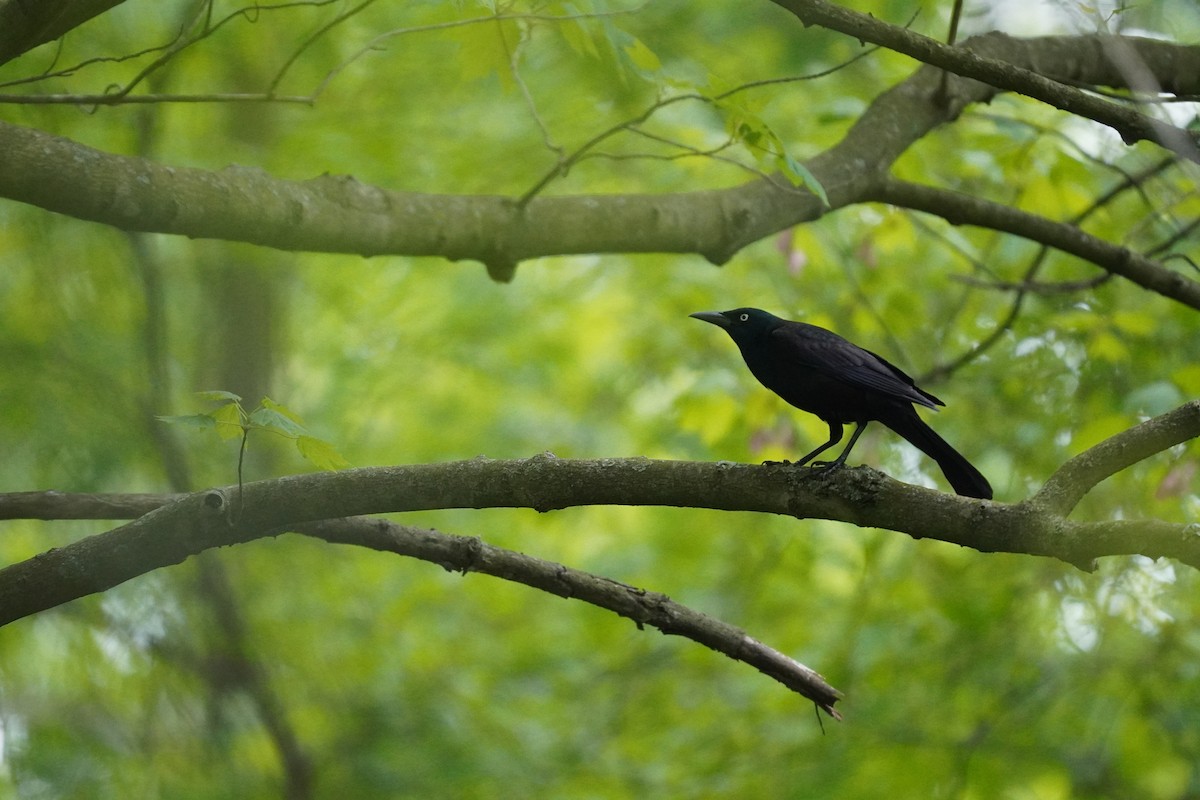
966, 675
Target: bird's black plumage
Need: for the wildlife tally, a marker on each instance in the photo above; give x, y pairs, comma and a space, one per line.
820, 372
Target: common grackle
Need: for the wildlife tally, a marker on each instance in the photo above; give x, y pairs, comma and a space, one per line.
820, 372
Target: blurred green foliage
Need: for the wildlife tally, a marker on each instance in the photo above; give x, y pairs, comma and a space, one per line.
967, 675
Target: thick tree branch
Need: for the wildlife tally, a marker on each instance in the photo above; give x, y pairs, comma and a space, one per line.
958, 208
463, 554
339, 214
191, 524
990, 59
468, 554
52, 505
169, 528
1077, 477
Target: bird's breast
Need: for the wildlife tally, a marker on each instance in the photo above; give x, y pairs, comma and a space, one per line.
811, 390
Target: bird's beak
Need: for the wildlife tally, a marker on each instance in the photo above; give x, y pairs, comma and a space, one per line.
715, 317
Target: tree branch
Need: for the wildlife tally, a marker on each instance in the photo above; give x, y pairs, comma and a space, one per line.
958, 208
1074, 479
52, 505
339, 214
169, 528
96, 100
989, 59
459, 553
185, 526
468, 554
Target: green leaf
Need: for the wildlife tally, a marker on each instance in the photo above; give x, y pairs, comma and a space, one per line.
642, 57
487, 48
191, 420
579, 37
767, 148
320, 453
282, 409
228, 419
272, 420
219, 396
799, 175
746, 126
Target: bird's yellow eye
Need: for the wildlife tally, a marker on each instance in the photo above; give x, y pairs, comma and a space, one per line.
744, 317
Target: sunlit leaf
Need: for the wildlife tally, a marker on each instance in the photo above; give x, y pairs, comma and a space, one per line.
642, 57
1188, 379
488, 49
1109, 347
229, 421
1096, 430
1140, 323
282, 409
579, 35
321, 453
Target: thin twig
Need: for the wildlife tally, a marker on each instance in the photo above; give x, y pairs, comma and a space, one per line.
580, 152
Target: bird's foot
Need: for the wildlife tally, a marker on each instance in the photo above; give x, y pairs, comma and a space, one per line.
819, 466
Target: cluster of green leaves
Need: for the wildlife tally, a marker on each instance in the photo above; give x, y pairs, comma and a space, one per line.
230, 420
966, 674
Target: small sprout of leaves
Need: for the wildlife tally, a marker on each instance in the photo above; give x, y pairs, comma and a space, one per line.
231, 421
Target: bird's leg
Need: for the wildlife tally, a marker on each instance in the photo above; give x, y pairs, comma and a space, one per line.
835, 436
841, 460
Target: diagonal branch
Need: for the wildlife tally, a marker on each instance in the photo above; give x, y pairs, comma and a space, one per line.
958, 208
468, 554
1074, 479
461, 553
986, 59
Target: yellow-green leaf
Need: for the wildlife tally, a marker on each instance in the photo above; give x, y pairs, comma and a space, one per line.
320, 453
229, 420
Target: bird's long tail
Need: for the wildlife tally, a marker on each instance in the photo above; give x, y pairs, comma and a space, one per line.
963, 476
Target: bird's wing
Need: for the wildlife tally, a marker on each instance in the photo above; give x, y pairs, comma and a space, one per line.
817, 349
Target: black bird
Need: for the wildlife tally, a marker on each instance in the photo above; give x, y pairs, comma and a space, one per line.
820, 372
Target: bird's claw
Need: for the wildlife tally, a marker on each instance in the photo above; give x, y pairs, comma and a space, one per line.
817, 465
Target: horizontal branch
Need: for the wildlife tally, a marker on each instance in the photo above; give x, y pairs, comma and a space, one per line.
96, 100
340, 214
52, 505
468, 554
958, 208
169, 528
184, 526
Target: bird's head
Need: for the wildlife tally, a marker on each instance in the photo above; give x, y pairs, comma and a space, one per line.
743, 324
